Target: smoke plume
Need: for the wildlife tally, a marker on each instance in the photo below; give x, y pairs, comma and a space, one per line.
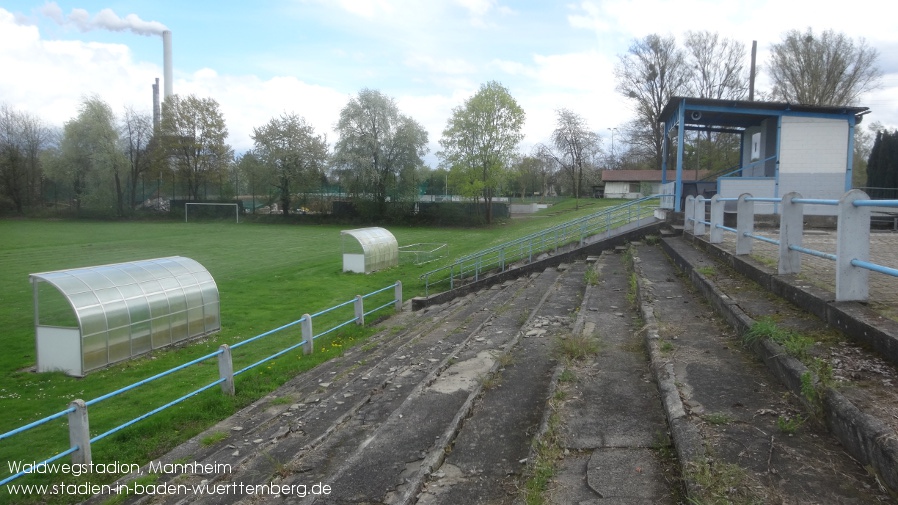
106, 19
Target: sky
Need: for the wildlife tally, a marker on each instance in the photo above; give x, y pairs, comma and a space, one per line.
259, 60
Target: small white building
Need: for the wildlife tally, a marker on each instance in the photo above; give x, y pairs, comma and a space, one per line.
633, 184
785, 147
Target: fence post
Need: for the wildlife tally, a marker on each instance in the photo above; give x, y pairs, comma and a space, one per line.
398, 295
852, 242
745, 224
79, 433
359, 310
689, 214
716, 219
699, 215
791, 231
307, 334
226, 370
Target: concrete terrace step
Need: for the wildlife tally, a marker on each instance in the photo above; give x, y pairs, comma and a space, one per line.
392, 462
739, 433
611, 426
490, 453
264, 437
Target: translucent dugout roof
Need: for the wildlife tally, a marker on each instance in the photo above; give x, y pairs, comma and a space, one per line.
379, 248
126, 309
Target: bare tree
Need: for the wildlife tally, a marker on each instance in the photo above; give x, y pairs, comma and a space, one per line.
717, 66
22, 139
649, 74
829, 69
137, 131
573, 147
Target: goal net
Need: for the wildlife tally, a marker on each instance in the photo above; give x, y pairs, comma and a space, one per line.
196, 211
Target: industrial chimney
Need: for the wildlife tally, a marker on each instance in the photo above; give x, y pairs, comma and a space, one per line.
157, 113
166, 63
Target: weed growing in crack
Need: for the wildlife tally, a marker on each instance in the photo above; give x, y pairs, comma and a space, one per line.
789, 425
591, 277
718, 418
541, 468
578, 347
567, 375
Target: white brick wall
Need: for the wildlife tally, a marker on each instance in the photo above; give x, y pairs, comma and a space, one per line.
813, 146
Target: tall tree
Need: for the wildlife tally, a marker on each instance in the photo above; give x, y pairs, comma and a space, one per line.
825, 69
297, 157
649, 74
717, 66
137, 132
480, 140
92, 160
532, 174
379, 148
22, 139
193, 134
882, 167
573, 149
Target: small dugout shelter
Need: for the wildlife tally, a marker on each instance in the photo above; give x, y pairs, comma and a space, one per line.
784, 147
367, 250
88, 318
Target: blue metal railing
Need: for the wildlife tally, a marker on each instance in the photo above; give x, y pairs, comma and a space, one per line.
855, 198
498, 258
396, 286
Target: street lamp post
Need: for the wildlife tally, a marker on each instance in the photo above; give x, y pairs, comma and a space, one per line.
612, 130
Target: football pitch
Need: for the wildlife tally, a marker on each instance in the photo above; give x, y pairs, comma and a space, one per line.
267, 275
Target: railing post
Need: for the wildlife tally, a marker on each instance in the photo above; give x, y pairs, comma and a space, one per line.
79, 433
699, 215
852, 242
307, 334
359, 310
791, 231
226, 370
717, 208
689, 214
398, 295
502, 259
745, 224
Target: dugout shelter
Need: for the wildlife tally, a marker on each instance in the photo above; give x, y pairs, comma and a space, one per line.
368, 250
88, 318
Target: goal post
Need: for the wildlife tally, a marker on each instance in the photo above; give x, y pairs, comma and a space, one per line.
187, 206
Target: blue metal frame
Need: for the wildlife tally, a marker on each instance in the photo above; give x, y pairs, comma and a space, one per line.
740, 113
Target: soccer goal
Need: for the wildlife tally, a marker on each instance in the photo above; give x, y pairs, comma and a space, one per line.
197, 210
422, 253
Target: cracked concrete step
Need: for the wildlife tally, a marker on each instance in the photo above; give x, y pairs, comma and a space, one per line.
611, 424
261, 437
388, 462
860, 407
755, 441
490, 453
